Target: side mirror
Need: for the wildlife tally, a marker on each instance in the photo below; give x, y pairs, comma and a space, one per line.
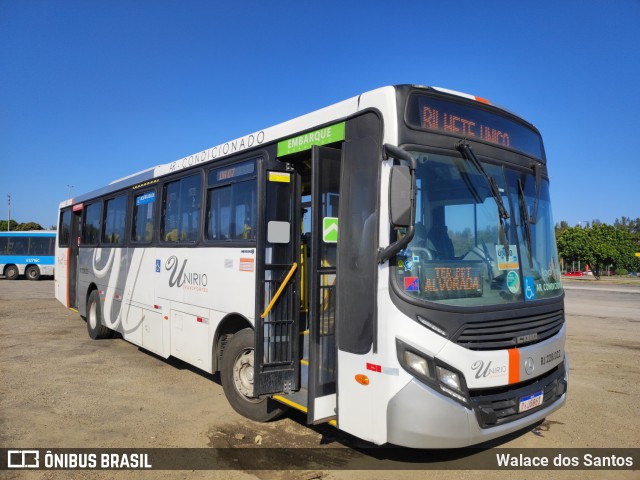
401, 201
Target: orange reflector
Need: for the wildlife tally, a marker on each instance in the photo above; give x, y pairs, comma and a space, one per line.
362, 379
482, 100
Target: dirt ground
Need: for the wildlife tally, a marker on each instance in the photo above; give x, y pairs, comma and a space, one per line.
59, 389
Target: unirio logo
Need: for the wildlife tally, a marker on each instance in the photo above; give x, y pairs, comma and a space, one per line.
181, 278
484, 371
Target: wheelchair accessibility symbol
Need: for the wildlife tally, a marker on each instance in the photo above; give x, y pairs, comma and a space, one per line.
529, 289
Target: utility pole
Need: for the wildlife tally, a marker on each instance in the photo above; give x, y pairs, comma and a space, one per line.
69, 190
8, 211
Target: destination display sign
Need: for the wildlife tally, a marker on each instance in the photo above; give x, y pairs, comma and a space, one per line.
471, 122
227, 174
452, 280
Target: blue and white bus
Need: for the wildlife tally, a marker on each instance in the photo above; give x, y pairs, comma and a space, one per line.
29, 253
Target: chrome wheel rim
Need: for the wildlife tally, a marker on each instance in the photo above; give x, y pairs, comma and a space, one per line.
243, 374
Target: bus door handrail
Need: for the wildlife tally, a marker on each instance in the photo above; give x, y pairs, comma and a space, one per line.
280, 290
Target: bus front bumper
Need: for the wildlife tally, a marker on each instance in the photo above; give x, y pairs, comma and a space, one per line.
420, 417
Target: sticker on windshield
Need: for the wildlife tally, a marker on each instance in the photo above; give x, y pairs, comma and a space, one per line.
529, 288
411, 284
507, 259
513, 281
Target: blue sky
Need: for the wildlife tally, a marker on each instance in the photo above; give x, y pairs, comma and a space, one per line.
91, 91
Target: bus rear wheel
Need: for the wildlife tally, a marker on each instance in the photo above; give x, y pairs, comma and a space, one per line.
237, 380
95, 325
11, 272
32, 272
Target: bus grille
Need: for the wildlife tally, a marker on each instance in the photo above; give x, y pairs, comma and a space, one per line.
510, 333
496, 406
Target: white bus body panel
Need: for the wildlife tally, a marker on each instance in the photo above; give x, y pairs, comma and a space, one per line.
61, 279
61, 283
392, 408
170, 301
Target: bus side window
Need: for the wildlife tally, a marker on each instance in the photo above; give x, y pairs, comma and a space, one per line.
181, 220
39, 246
218, 215
65, 229
114, 220
91, 224
232, 203
143, 219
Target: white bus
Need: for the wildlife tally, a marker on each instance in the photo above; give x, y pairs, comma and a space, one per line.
29, 253
386, 264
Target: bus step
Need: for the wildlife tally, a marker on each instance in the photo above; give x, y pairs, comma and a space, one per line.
297, 400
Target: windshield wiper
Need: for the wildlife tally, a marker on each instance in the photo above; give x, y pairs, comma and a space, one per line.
464, 148
527, 220
537, 171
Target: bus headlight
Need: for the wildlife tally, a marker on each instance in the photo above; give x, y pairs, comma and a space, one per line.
449, 378
433, 373
418, 364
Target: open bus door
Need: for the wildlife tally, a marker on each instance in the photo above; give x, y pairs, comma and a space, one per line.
74, 248
282, 345
325, 196
276, 361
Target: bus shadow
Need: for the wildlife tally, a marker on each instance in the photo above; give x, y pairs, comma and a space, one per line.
181, 365
360, 452
403, 456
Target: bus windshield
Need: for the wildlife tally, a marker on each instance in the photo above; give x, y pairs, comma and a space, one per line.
464, 251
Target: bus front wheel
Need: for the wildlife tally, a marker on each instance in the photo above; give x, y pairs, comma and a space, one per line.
95, 326
237, 373
11, 272
32, 272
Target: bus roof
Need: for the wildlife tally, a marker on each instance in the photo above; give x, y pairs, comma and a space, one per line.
380, 98
28, 233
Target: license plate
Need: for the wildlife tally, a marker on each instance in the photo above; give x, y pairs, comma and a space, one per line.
531, 401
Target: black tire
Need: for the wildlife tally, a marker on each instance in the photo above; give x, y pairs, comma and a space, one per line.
32, 272
95, 325
11, 272
236, 374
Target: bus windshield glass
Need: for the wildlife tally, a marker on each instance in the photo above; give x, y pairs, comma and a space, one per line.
472, 122
463, 252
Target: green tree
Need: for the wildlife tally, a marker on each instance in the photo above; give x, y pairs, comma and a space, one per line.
561, 227
605, 247
599, 245
29, 226
19, 227
629, 225
3, 225
573, 244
